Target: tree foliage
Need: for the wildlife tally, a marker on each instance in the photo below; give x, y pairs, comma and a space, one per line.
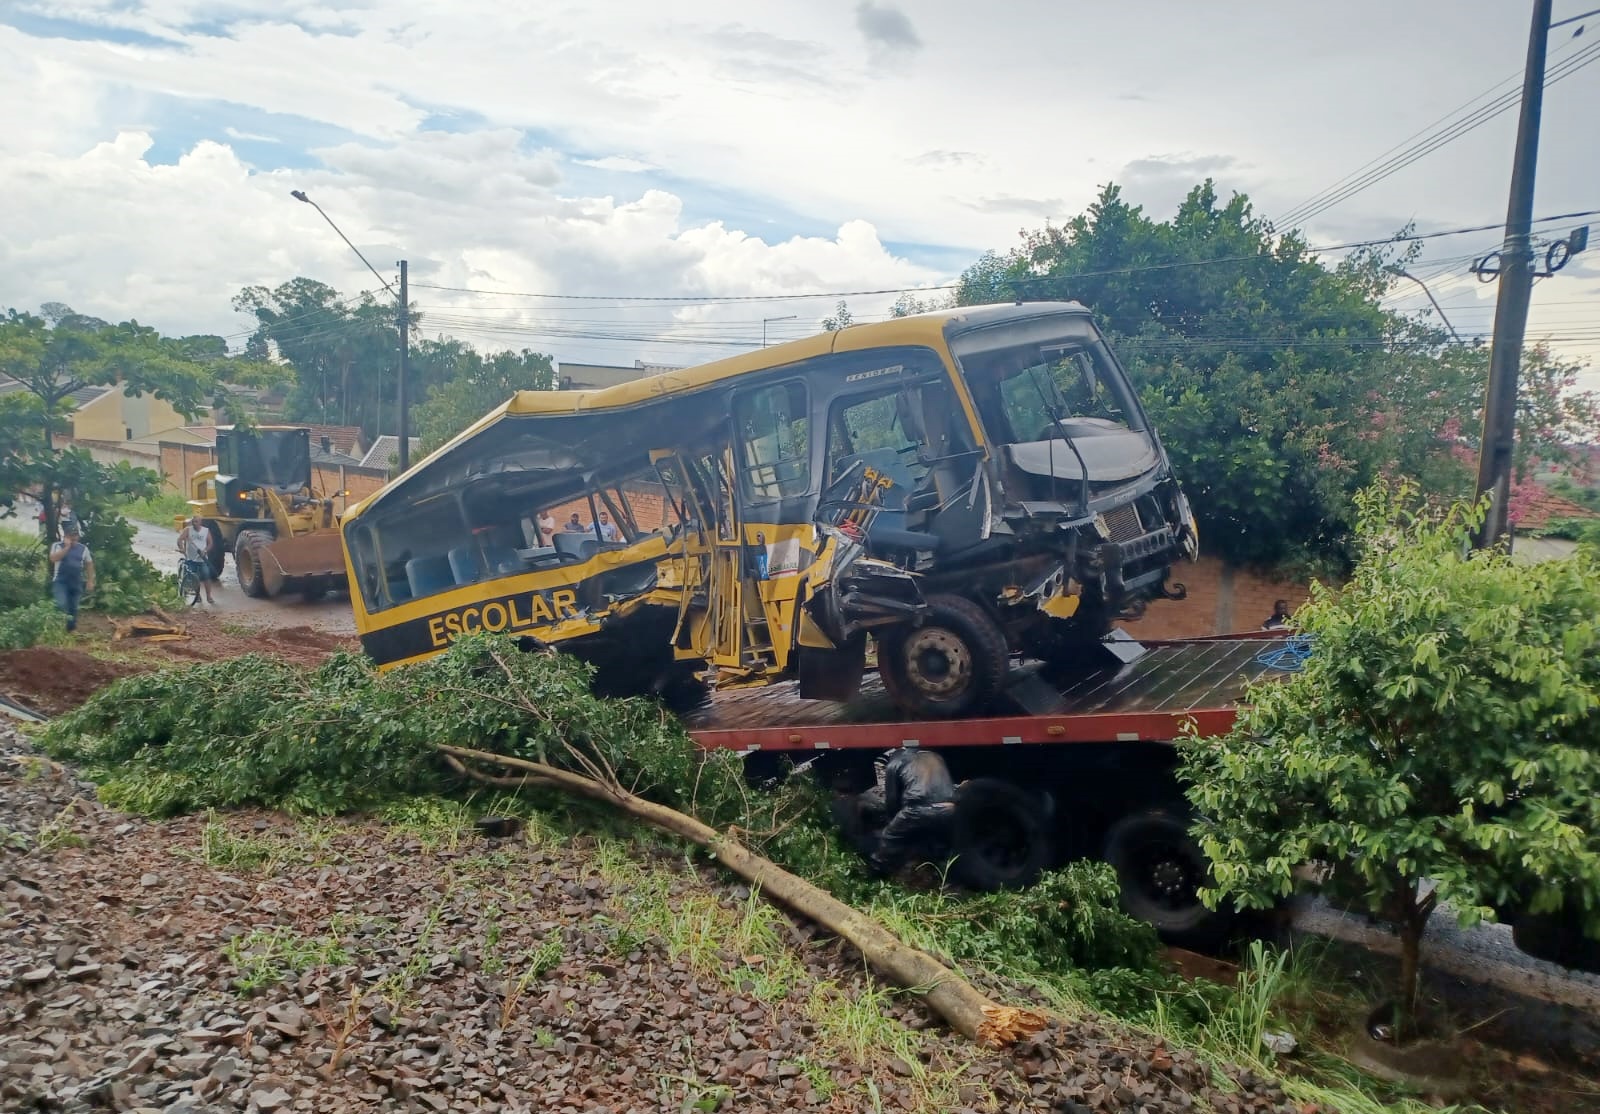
1443, 728
1280, 386
52, 355
476, 386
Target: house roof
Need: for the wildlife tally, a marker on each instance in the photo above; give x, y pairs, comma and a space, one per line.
319, 455
385, 451
347, 440
77, 398
1546, 507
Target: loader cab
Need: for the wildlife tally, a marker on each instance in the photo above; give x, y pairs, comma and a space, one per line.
265, 457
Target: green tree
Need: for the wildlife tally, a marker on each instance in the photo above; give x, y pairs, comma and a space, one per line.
1280, 386
477, 384
842, 318
345, 352
52, 355
1442, 729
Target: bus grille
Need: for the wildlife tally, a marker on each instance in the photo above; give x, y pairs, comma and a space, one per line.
1123, 522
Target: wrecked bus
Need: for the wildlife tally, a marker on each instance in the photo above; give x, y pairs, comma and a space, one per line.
956, 486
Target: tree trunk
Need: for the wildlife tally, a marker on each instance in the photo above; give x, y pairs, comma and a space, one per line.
968, 1010
1413, 923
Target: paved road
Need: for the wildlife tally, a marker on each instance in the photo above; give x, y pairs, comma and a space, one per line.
159, 546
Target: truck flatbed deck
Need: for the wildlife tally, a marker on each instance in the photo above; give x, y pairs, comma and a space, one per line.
1148, 699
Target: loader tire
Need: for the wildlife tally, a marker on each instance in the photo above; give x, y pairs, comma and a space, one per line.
216, 556
951, 665
248, 554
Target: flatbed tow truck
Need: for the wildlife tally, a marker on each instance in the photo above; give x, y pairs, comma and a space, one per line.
1078, 766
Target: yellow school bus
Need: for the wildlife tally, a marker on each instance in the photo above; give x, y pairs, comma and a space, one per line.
957, 486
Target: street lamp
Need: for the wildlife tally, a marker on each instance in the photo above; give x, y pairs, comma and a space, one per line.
1437, 307
764, 321
402, 319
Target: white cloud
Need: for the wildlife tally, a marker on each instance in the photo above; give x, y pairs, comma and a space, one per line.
250, 137
792, 119
620, 163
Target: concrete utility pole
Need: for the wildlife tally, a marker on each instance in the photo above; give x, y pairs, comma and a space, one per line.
1495, 457
405, 365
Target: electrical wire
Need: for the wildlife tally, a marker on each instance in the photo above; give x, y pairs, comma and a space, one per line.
1382, 167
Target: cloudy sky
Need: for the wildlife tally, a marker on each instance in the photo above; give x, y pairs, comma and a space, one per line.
707, 149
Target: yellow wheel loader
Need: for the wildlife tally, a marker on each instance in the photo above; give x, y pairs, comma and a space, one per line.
258, 503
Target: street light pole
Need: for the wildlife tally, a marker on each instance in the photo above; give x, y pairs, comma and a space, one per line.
405, 360
764, 321
1436, 306
403, 319
1497, 452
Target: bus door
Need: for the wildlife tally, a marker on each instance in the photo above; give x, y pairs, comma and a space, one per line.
711, 618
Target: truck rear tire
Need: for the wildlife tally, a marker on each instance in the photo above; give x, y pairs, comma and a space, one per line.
954, 663
248, 552
1001, 836
1160, 870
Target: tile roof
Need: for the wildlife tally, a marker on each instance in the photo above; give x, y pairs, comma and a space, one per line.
385, 451
1545, 507
78, 397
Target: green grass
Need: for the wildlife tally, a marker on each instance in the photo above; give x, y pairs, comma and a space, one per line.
159, 510
221, 848
437, 823
267, 956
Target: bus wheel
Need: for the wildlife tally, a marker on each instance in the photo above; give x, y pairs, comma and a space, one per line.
247, 554
951, 665
1000, 836
1160, 870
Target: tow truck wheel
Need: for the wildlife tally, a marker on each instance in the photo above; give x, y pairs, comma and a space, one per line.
952, 664
1160, 870
247, 554
1000, 836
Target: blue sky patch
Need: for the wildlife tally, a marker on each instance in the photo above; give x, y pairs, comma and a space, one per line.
50, 27
268, 140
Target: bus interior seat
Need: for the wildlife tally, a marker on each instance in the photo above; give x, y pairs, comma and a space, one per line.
581, 546
428, 575
463, 564
501, 559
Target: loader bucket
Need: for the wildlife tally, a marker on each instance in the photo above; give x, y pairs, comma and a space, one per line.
314, 555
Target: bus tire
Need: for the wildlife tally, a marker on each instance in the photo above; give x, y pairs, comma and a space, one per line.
950, 665
248, 551
1001, 836
1160, 869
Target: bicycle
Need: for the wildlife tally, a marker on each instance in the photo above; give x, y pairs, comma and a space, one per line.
188, 582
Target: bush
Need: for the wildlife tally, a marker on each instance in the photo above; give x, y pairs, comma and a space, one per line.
22, 571
1443, 729
37, 624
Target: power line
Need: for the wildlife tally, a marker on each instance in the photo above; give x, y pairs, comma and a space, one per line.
645, 300
1382, 167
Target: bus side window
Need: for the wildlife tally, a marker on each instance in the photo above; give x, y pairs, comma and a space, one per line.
773, 426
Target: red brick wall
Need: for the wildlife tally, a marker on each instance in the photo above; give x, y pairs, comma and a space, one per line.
1222, 600
179, 462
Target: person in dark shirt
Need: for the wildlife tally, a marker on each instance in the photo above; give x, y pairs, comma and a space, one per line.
918, 797
1279, 619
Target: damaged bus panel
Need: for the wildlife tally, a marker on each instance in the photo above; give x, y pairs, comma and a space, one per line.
956, 486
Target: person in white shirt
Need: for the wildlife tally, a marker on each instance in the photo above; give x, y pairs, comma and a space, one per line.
606, 528
194, 542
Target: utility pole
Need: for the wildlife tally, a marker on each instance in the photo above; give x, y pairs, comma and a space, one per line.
405, 361
1496, 456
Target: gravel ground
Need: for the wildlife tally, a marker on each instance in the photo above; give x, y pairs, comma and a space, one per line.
261, 964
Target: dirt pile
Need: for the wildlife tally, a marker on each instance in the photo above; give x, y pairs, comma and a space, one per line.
54, 680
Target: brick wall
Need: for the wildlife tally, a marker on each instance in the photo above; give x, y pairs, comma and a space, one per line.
1222, 599
179, 462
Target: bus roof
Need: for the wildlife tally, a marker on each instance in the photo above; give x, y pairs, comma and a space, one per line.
914, 329
935, 326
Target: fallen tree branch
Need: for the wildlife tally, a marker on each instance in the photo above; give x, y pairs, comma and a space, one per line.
967, 1009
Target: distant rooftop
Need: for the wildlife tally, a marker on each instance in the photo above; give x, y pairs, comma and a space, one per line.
385, 451
77, 398
589, 377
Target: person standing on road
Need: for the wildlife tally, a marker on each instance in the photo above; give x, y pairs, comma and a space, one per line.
546, 525
74, 572
194, 542
605, 528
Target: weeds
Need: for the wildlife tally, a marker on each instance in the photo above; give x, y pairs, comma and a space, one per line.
437, 823
58, 833
536, 963
267, 956
222, 849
